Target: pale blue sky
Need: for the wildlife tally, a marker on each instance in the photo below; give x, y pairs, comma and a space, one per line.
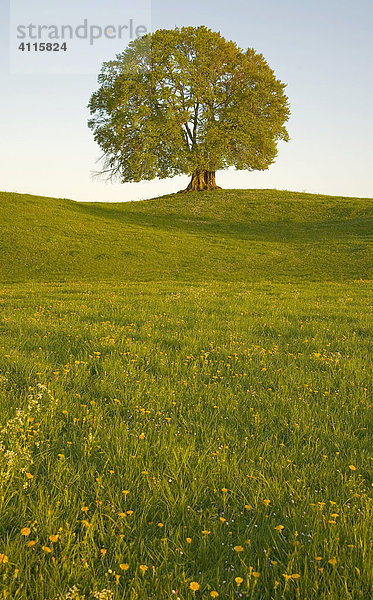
323, 50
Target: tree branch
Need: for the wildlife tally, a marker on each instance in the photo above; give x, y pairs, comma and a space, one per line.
195, 124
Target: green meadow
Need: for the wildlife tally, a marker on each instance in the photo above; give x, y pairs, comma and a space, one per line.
186, 398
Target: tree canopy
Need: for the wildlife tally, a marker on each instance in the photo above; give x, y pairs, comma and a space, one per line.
187, 101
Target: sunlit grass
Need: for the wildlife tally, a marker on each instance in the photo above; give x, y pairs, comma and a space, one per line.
186, 441
234, 235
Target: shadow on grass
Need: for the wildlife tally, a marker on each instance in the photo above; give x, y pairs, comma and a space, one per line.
277, 231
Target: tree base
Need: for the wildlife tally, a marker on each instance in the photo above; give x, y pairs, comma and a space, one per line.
202, 181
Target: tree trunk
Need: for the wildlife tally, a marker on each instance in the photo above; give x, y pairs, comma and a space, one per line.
201, 181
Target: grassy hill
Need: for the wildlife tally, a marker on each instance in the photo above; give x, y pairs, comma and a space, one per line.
186, 401
237, 235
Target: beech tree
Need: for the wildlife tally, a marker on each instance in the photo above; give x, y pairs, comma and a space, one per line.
187, 101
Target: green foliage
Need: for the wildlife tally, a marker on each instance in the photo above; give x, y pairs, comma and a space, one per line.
186, 100
225, 411
230, 235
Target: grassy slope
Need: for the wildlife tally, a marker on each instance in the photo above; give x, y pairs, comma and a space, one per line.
229, 234
228, 409
225, 408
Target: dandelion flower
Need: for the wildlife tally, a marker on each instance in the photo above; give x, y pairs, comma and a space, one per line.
3, 558
29, 476
224, 490
124, 566
279, 527
238, 580
25, 531
53, 538
143, 569
86, 523
266, 502
256, 574
238, 548
332, 561
31, 543
214, 594
103, 551
189, 540
46, 549
352, 467
194, 586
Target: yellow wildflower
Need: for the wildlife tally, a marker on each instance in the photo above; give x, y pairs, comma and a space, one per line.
86, 523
